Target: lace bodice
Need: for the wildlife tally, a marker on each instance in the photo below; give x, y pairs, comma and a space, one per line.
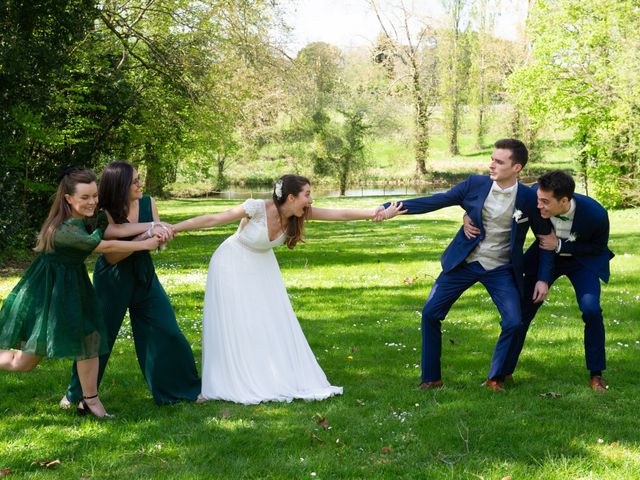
254, 233
72, 243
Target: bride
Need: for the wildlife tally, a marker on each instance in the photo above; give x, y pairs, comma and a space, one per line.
253, 349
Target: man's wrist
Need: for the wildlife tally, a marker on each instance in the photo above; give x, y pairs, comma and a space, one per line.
559, 246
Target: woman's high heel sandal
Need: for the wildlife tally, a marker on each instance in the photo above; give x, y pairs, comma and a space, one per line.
86, 409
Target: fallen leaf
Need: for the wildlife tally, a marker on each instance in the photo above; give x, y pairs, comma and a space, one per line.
322, 421
349, 357
409, 280
224, 413
4, 472
315, 437
354, 349
360, 402
508, 477
385, 450
47, 463
550, 394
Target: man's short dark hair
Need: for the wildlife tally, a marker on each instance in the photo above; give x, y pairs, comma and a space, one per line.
559, 183
519, 152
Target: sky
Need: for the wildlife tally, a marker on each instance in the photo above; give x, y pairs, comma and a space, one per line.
350, 23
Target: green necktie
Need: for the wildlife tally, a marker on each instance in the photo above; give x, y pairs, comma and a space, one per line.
563, 218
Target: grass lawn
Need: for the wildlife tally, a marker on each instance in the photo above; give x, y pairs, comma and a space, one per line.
358, 289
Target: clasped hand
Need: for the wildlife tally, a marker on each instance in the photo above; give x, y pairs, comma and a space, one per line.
549, 241
381, 213
541, 288
164, 232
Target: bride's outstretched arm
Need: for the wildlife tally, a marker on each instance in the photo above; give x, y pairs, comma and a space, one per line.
211, 220
346, 214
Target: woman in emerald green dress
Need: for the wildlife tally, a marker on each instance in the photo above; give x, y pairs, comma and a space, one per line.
129, 281
53, 310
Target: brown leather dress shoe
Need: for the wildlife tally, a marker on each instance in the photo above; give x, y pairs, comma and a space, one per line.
495, 385
431, 385
598, 384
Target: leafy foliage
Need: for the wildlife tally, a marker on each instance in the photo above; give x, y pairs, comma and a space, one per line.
86, 82
584, 73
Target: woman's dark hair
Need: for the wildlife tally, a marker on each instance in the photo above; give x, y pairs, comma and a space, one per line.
60, 210
285, 186
113, 192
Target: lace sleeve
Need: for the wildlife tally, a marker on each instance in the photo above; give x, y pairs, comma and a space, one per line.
252, 207
74, 236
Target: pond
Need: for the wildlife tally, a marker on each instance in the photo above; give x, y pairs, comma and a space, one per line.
241, 193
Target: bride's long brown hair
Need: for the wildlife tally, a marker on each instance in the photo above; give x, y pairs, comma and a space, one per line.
285, 186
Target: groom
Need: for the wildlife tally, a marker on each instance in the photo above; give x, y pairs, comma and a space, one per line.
579, 242
503, 209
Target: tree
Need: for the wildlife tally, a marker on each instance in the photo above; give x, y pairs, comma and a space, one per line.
584, 74
338, 146
413, 41
48, 106
484, 67
455, 67
83, 83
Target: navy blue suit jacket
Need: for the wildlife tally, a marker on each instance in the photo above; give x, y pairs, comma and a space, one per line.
471, 195
591, 231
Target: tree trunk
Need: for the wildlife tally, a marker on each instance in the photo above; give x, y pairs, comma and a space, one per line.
344, 177
421, 147
454, 58
154, 184
455, 125
480, 126
221, 181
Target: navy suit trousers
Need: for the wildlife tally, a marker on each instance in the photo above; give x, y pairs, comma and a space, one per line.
586, 285
500, 284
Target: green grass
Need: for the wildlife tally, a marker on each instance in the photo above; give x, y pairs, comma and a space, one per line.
347, 285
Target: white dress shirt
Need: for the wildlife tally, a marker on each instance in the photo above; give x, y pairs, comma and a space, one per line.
563, 227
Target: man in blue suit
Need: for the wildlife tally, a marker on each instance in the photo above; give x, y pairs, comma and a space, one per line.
580, 244
503, 209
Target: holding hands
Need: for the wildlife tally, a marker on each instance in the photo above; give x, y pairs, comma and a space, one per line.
158, 235
381, 213
152, 243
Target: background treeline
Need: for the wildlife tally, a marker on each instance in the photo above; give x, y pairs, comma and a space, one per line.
208, 92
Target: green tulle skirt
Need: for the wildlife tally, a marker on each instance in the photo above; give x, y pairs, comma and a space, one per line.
53, 310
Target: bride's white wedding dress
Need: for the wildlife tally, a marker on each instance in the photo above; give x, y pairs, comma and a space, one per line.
253, 349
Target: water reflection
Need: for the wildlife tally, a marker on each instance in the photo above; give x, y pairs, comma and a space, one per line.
408, 190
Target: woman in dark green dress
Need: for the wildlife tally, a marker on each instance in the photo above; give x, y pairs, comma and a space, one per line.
53, 310
130, 282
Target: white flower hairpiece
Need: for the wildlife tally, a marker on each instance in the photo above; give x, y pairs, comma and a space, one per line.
278, 189
517, 214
